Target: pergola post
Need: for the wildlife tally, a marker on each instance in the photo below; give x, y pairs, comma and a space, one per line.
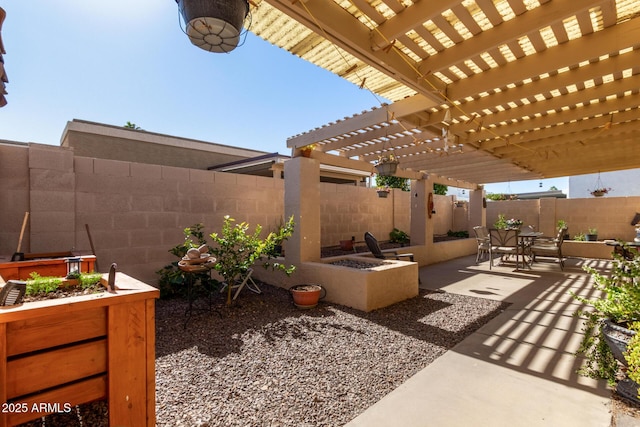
421, 218
302, 200
477, 210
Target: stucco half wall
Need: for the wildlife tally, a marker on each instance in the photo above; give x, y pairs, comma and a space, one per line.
377, 287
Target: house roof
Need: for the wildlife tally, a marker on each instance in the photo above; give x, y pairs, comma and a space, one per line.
479, 91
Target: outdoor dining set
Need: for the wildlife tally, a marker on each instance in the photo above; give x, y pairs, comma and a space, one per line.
523, 243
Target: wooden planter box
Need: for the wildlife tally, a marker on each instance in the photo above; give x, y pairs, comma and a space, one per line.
49, 266
75, 350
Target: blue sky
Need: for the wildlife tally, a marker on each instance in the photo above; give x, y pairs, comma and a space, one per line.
122, 60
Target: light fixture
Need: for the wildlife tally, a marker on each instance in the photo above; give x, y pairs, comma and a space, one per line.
214, 25
73, 266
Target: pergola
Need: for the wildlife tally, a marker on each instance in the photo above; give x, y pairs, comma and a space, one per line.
479, 91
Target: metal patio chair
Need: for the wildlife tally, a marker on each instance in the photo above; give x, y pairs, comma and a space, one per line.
549, 247
505, 243
484, 243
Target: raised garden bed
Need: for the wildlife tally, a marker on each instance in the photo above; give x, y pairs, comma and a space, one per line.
53, 264
69, 351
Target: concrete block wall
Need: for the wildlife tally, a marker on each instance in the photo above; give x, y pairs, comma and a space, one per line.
136, 212
347, 210
51, 198
611, 216
14, 196
448, 216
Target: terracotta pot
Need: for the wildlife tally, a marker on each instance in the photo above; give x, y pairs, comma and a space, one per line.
346, 245
307, 296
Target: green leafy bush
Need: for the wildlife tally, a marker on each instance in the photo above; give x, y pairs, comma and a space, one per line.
463, 234
620, 303
398, 236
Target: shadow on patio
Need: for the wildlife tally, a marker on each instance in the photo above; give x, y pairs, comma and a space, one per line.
518, 369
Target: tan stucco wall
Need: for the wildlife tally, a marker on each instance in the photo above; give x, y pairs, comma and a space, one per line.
611, 216
136, 212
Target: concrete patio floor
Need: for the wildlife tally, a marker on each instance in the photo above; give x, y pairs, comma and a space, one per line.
518, 369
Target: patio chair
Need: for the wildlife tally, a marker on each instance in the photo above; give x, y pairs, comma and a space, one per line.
484, 244
374, 248
549, 247
505, 243
247, 282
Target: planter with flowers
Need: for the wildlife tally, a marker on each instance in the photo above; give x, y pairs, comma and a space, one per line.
599, 192
514, 224
383, 192
387, 165
507, 224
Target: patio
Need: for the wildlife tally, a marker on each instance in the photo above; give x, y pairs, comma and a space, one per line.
517, 369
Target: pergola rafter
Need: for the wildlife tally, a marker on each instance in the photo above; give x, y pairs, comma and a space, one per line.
481, 91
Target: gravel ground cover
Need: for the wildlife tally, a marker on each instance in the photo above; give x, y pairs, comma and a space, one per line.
264, 362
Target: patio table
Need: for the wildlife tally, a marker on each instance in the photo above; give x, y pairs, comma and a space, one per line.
525, 239
191, 271
621, 248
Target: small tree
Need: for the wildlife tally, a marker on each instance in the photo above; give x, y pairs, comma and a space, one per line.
236, 250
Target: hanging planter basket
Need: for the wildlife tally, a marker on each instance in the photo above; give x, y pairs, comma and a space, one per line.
215, 25
387, 168
600, 190
383, 194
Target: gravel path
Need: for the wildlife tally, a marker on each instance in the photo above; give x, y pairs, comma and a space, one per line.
265, 363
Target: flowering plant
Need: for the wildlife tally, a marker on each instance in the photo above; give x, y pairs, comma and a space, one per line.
600, 191
391, 158
514, 223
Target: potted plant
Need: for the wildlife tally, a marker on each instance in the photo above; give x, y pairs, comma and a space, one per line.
611, 322
307, 296
599, 192
514, 224
563, 224
387, 165
383, 192
501, 222
592, 235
